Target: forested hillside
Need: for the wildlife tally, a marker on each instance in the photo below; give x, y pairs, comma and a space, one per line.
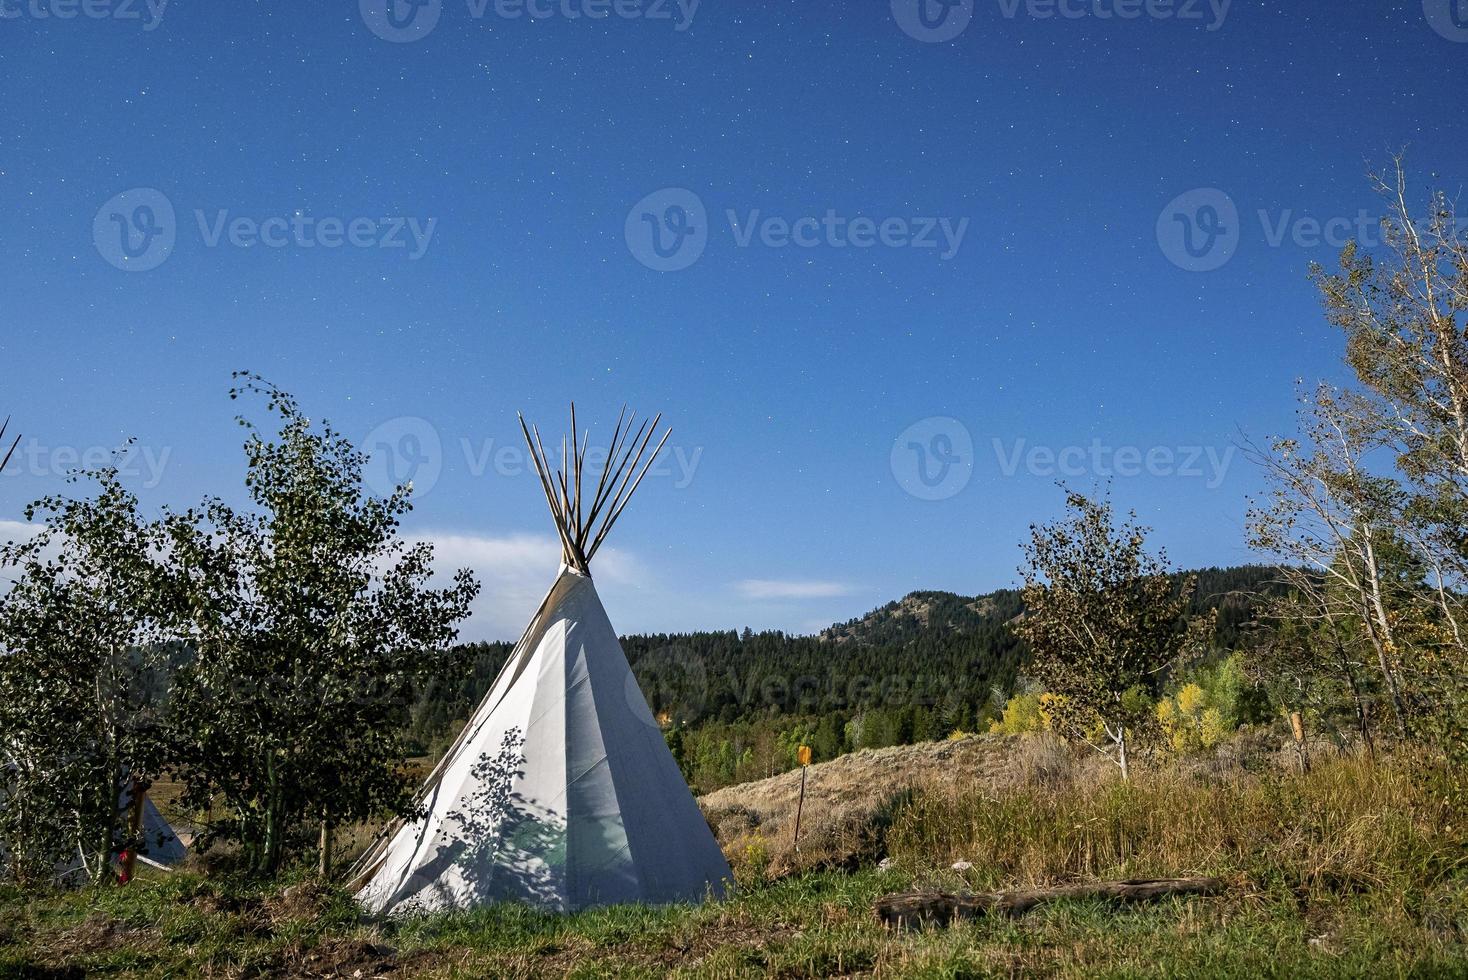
735, 705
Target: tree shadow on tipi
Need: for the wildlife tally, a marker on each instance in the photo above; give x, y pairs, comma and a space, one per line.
504, 846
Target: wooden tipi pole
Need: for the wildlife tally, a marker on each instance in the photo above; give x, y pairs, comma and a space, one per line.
627, 463
11, 451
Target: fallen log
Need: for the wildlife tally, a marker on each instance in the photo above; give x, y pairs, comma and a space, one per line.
913, 909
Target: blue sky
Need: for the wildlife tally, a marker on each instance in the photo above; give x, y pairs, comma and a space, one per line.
455, 218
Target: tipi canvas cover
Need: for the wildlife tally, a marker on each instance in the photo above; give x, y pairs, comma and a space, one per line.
561, 791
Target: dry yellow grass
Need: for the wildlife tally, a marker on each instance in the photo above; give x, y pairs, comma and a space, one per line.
1031, 810
848, 802
1349, 826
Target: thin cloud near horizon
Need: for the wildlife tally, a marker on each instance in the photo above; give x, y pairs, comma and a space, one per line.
759, 588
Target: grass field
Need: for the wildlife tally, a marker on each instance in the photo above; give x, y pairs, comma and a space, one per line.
1352, 870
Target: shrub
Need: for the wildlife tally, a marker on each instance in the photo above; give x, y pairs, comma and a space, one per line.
1022, 716
1205, 711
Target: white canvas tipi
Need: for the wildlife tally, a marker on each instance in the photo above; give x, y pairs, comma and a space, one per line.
560, 791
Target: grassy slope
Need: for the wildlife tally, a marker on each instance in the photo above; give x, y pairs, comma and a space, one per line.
1352, 870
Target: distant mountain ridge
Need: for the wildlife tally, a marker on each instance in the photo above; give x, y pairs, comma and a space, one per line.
1229, 590
904, 619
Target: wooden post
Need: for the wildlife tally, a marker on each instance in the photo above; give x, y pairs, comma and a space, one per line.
323, 867
1297, 727
803, 756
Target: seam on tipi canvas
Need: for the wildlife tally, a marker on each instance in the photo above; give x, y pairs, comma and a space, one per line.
604, 760
615, 651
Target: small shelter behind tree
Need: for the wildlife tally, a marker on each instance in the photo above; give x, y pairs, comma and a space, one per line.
160, 846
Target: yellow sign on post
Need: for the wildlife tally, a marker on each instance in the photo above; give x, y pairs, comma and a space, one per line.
802, 754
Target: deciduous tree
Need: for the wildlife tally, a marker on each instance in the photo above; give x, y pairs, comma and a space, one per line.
1102, 618
82, 630
311, 620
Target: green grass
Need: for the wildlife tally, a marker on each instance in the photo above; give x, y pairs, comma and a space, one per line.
1350, 871
815, 926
